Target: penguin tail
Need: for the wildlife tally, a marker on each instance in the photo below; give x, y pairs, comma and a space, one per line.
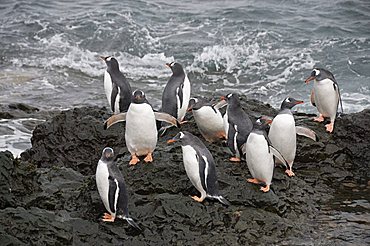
222, 200
132, 223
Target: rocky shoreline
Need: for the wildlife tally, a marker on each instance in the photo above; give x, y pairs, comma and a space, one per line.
49, 196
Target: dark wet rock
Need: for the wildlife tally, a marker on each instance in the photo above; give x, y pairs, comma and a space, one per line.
49, 196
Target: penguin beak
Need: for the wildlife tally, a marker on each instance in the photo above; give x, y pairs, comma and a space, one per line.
168, 65
298, 102
171, 141
309, 79
267, 119
223, 98
103, 57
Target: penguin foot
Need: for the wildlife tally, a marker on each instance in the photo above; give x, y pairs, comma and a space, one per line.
134, 160
289, 173
265, 189
253, 181
222, 135
148, 158
330, 127
235, 159
319, 119
198, 199
108, 218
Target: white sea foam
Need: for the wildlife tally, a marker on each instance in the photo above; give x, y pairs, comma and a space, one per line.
16, 138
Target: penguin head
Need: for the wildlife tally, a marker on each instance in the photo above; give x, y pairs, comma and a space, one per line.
176, 68
262, 122
112, 63
196, 103
138, 96
289, 103
231, 99
108, 154
320, 74
192, 102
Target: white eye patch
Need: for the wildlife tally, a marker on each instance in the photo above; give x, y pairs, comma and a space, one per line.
228, 96
317, 72
109, 58
182, 135
287, 100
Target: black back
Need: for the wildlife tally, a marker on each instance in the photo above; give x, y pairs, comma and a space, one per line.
237, 117
176, 82
118, 81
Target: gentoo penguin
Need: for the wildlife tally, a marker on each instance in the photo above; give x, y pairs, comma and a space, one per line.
237, 125
117, 89
283, 132
176, 94
259, 154
325, 96
141, 131
112, 189
208, 118
199, 166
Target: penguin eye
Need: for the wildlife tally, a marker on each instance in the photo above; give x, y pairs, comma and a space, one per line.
317, 72
172, 64
287, 100
258, 121
182, 135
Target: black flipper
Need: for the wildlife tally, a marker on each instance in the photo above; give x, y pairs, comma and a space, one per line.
113, 96
112, 193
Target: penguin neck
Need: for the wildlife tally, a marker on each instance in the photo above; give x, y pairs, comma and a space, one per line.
285, 111
113, 69
234, 104
178, 73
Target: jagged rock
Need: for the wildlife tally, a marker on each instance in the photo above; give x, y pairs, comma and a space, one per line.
54, 200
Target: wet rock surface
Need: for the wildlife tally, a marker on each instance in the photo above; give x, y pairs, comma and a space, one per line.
49, 196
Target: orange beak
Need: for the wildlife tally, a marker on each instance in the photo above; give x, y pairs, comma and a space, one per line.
299, 102
309, 79
267, 119
171, 141
102, 57
168, 65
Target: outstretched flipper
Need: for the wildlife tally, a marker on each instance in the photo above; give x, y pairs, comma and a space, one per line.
304, 131
278, 155
114, 119
167, 118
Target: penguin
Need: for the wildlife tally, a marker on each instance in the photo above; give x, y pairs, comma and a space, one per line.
283, 132
112, 189
237, 125
208, 118
176, 94
325, 96
141, 130
117, 89
259, 154
199, 166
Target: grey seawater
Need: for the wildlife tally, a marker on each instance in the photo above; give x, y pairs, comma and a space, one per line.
49, 56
